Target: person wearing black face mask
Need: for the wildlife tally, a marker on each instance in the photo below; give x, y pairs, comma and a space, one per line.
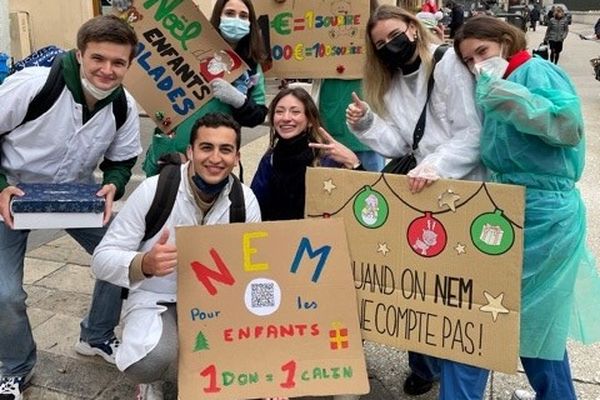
400, 53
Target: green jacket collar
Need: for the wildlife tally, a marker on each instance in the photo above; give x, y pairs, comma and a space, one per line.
73, 80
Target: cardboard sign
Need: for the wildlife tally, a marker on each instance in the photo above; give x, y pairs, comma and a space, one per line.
438, 272
267, 310
314, 38
178, 54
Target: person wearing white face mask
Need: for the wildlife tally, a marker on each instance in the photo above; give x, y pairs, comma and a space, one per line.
533, 136
244, 99
83, 128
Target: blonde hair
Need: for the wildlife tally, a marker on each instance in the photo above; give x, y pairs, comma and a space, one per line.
558, 10
377, 76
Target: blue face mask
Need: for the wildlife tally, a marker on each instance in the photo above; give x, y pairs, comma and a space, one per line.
234, 29
209, 189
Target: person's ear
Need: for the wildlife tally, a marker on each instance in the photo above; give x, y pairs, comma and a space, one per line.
78, 56
189, 152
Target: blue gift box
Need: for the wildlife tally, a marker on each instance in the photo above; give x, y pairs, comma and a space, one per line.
57, 205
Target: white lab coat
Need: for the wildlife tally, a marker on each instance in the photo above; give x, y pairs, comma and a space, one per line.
57, 147
450, 143
142, 325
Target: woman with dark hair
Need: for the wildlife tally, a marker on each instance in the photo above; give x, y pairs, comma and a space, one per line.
401, 54
297, 141
244, 99
533, 137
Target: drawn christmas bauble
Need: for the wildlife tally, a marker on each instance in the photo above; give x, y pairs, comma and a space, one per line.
492, 233
370, 208
427, 236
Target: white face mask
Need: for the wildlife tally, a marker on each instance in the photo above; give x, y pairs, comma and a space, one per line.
493, 66
95, 92
89, 87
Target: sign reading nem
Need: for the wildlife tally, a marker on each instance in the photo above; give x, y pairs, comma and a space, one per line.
437, 272
267, 310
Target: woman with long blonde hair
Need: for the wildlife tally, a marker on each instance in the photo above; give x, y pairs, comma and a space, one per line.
402, 54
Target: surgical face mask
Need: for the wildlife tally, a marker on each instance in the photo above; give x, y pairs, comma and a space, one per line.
234, 29
95, 92
493, 66
397, 52
209, 189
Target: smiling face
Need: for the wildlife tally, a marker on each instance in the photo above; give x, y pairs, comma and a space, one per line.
214, 153
104, 64
474, 51
289, 117
386, 29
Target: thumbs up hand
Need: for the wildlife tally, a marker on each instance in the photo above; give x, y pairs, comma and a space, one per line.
356, 111
161, 260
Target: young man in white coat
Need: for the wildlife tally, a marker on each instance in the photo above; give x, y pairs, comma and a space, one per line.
91, 121
148, 351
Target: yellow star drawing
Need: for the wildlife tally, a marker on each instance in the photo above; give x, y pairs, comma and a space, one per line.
328, 186
383, 248
460, 249
494, 305
448, 198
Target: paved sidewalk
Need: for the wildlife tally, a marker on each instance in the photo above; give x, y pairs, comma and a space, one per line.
59, 283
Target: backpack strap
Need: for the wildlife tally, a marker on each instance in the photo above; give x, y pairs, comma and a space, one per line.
45, 99
166, 193
119, 108
52, 89
164, 199
237, 209
420, 127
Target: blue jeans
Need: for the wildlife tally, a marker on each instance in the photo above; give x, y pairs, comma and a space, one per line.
370, 160
17, 348
425, 367
461, 382
550, 379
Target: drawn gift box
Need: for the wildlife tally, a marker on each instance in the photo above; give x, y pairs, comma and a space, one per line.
491, 235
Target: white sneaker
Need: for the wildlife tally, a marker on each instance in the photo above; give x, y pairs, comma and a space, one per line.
12, 387
106, 350
149, 391
521, 394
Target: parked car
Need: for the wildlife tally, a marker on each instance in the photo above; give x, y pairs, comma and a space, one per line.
516, 15
546, 9
515, 19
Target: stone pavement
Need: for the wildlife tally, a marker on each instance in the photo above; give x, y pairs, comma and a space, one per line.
59, 283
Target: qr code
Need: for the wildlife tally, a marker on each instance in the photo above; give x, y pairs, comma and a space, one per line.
263, 295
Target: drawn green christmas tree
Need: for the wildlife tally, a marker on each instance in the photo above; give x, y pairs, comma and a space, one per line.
201, 342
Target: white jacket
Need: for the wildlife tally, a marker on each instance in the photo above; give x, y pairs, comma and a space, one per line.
142, 325
450, 143
57, 146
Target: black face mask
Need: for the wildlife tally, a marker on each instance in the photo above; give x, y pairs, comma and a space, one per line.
397, 52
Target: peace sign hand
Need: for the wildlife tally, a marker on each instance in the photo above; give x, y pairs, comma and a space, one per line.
336, 151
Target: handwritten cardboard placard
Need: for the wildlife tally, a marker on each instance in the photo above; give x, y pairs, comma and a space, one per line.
178, 54
314, 38
438, 272
267, 309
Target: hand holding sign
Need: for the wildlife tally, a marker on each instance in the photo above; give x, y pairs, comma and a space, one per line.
356, 110
336, 151
161, 260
